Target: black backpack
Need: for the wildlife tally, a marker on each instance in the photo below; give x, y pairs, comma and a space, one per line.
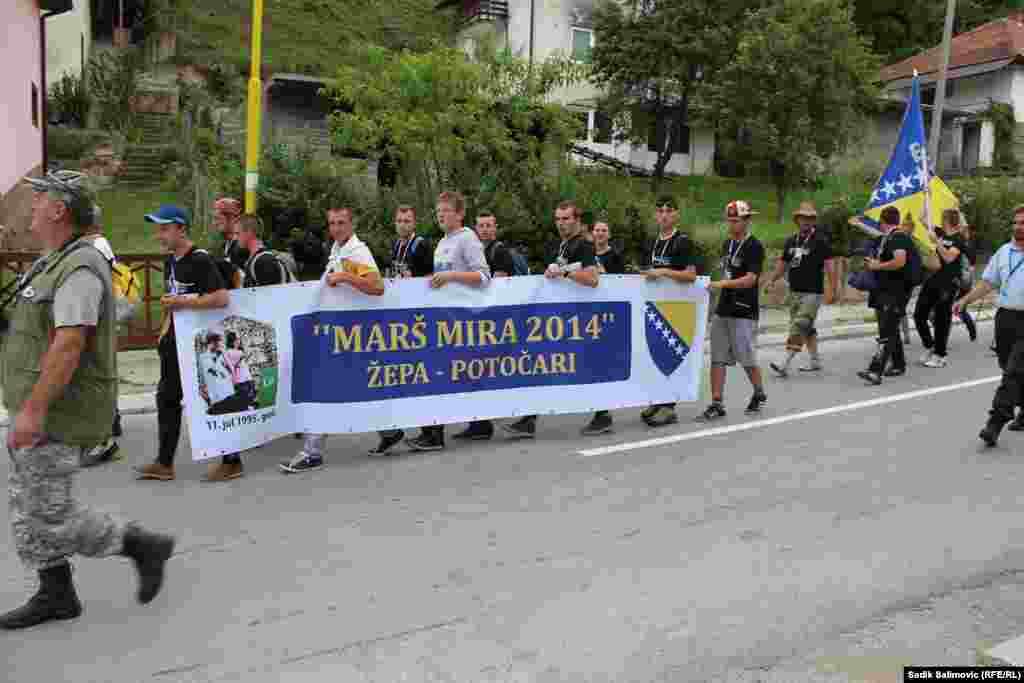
520, 266
915, 267
229, 272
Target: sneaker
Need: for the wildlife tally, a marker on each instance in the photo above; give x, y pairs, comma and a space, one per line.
601, 424
1017, 425
937, 361
870, 377
302, 462
780, 370
476, 431
387, 442
895, 372
156, 472
926, 358
648, 412
712, 412
524, 428
102, 453
424, 443
812, 366
756, 401
224, 471
663, 416
990, 434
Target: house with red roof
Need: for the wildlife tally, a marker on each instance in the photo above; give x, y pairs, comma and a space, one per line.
986, 65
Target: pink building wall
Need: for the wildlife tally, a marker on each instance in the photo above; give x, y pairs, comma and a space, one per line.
20, 140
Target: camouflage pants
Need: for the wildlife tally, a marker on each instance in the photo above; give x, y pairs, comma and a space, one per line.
47, 522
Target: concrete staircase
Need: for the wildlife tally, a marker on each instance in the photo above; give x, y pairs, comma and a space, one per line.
143, 162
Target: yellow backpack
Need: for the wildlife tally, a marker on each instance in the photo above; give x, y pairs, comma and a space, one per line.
126, 291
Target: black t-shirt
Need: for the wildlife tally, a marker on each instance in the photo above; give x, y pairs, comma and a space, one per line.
264, 269
806, 258
675, 253
499, 258
611, 262
895, 283
195, 273
948, 276
740, 257
417, 254
574, 254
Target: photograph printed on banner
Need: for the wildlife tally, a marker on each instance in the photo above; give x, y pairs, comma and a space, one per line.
237, 366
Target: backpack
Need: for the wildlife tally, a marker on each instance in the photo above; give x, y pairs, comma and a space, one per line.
915, 267
520, 266
284, 261
126, 291
229, 272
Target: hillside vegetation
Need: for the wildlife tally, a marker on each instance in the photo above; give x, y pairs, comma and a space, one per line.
303, 36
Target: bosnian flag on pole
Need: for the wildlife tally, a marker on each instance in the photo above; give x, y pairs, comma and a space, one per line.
908, 183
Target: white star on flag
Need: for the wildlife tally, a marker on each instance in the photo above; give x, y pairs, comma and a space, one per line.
906, 182
889, 189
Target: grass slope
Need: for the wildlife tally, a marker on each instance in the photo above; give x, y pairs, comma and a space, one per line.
305, 36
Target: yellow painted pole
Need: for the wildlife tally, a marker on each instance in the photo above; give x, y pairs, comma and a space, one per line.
253, 139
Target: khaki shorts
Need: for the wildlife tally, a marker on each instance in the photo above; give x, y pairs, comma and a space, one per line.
733, 340
803, 311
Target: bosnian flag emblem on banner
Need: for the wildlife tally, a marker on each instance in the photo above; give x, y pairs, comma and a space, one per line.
670, 327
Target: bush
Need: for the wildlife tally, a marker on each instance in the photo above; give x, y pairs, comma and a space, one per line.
69, 100
988, 204
72, 144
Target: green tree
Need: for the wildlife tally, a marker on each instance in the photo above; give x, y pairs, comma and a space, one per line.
653, 59
899, 30
486, 127
797, 91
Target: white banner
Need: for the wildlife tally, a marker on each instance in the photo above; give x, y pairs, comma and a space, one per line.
306, 357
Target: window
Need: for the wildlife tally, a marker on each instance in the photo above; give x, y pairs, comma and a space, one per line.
35, 105
582, 44
928, 92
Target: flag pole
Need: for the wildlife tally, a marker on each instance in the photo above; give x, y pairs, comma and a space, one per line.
940, 88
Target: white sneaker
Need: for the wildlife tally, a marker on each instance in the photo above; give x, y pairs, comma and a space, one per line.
926, 358
936, 362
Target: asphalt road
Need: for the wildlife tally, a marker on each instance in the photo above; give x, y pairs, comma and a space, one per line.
830, 545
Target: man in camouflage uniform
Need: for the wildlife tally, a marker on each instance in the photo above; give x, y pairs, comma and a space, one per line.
59, 372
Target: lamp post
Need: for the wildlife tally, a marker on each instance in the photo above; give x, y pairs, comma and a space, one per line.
253, 138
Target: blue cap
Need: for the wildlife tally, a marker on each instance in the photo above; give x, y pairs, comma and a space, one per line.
168, 213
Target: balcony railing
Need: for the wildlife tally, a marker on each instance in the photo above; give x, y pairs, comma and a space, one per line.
472, 11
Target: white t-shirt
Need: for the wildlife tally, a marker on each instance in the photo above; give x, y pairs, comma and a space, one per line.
216, 376
103, 246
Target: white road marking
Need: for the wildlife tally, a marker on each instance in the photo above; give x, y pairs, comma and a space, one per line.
770, 422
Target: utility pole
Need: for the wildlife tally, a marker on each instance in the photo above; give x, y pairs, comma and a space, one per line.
940, 88
254, 139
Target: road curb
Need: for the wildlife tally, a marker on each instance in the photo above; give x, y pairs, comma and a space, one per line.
145, 404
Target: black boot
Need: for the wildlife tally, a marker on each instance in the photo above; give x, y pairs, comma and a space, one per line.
55, 599
149, 552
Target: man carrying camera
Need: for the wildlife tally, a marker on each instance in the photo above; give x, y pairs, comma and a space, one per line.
59, 375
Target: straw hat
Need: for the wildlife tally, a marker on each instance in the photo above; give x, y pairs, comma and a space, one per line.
806, 210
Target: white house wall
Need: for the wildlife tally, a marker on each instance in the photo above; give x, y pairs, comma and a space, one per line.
553, 24
65, 35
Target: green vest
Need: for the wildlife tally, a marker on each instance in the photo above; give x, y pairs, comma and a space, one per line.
84, 415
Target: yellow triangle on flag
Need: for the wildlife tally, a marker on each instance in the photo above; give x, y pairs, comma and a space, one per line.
682, 316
